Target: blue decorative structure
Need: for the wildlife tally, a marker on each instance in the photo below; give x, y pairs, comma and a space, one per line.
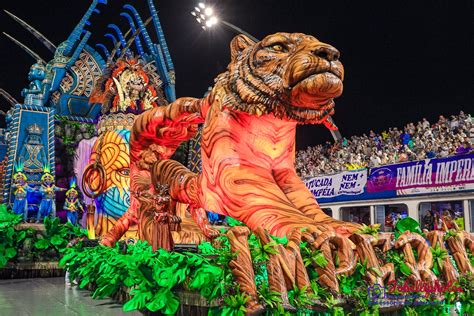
59, 90
31, 140
120, 36
133, 28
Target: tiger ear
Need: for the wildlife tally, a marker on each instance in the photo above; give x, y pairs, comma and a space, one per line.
238, 45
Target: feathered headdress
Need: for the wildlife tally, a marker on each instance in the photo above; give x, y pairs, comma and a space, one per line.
72, 187
46, 172
19, 170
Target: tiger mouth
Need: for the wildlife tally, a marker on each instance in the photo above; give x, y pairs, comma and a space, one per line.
315, 72
313, 114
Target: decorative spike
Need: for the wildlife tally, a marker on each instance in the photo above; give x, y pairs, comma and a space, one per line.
138, 43
114, 40
115, 50
161, 36
119, 33
104, 49
78, 50
25, 48
7, 96
77, 32
168, 87
130, 41
141, 26
46, 42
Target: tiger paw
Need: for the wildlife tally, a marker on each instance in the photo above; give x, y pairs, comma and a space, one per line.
210, 233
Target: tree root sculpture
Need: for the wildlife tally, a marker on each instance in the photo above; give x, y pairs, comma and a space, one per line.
242, 268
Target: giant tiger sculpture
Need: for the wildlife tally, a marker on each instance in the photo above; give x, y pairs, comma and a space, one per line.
248, 139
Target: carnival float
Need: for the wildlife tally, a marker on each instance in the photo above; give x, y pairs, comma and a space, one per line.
100, 132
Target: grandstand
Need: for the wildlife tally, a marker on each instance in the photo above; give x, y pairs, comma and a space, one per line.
447, 137
424, 171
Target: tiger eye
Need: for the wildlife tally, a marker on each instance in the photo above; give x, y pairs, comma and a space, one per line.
277, 47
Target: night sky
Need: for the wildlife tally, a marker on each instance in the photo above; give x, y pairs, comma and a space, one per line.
404, 60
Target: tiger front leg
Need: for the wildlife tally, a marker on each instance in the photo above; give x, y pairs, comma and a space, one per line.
251, 195
184, 188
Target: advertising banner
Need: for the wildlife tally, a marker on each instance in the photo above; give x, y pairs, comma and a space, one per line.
344, 183
424, 176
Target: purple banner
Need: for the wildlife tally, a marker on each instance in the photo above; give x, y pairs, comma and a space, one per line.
424, 176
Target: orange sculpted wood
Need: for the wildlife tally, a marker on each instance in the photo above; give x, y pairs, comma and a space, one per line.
248, 140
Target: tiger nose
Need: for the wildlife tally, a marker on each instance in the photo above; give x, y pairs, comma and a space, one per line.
327, 52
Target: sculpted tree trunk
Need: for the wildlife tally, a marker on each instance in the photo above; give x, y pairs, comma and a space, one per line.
242, 268
421, 268
376, 274
436, 239
457, 244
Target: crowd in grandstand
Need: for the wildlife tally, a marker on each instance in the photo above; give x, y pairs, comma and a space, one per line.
448, 136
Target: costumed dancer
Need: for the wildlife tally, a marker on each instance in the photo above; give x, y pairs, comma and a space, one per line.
21, 187
72, 204
48, 192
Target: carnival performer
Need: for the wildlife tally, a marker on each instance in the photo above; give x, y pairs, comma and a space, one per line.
48, 191
72, 204
21, 187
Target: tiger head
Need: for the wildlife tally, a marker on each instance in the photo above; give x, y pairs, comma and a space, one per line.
294, 76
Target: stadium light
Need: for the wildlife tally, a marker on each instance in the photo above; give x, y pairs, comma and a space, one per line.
207, 18
209, 11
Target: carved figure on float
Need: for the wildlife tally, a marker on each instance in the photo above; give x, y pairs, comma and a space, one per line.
125, 90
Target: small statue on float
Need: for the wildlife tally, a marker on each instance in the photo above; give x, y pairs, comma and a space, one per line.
48, 192
163, 219
35, 76
21, 187
72, 204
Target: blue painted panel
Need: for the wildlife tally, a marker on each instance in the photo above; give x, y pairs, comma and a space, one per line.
24, 116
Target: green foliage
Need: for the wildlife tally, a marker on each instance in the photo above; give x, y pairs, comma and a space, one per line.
233, 222
8, 219
152, 279
466, 282
271, 299
235, 305
407, 224
300, 298
151, 276
369, 229
439, 255
398, 261
9, 240
450, 233
311, 256
68, 131
50, 243
57, 236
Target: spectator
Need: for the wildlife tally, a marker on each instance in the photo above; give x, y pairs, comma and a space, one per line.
389, 223
414, 142
428, 221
